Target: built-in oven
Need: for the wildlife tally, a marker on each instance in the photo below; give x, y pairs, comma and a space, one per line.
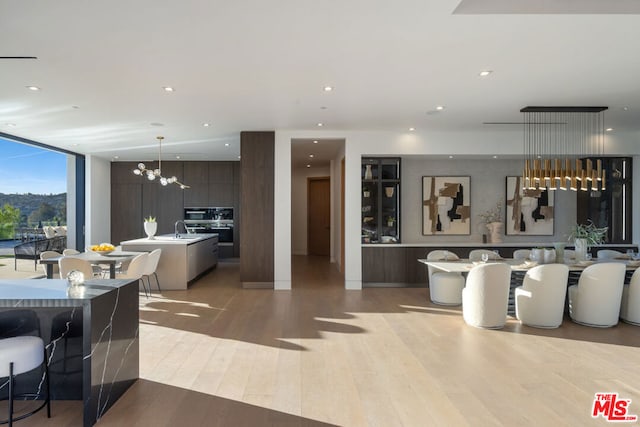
211, 220
197, 214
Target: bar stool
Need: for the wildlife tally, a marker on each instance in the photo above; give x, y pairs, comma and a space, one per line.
17, 356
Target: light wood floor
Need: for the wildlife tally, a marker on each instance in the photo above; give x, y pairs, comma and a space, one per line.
218, 355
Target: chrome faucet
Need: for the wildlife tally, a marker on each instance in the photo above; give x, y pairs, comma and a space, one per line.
175, 226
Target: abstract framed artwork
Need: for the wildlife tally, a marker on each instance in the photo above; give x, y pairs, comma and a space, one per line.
529, 212
446, 205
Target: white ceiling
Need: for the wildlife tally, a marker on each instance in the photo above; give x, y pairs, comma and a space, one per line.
256, 65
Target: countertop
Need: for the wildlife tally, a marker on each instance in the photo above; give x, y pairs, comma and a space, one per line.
169, 239
52, 292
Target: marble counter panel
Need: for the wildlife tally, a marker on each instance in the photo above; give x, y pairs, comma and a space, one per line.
92, 339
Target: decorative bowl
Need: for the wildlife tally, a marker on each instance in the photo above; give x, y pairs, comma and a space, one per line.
102, 252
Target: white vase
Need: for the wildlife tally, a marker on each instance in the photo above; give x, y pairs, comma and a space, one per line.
367, 172
582, 248
150, 229
495, 232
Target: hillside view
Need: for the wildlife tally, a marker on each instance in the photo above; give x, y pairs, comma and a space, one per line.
31, 210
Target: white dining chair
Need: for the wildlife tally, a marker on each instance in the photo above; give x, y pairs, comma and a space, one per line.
70, 251
540, 299
136, 270
476, 254
569, 255
152, 265
47, 255
445, 288
596, 299
485, 296
609, 254
521, 254
630, 305
68, 264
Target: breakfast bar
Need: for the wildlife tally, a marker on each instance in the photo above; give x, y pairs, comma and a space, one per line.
90, 332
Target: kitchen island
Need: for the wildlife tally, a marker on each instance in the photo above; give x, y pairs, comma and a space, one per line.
183, 258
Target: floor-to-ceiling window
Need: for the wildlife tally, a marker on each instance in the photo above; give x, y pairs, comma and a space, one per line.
40, 187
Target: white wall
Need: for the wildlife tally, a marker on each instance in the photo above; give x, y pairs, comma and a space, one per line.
336, 168
98, 200
487, 182
299, 206
71, 202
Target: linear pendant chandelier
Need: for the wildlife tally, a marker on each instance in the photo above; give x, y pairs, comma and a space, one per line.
157, 173
558, 142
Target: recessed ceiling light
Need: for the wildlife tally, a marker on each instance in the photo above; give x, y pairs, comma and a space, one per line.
412, 129
485, 73
328, 88
320, 124
440, 107
33, 88
315, 141
311, 155
451, 157
226, 144
178, 156
168, 89
238, 156
609, 129
116, 157
75, 145
308, 166
625, 108
495, 157
206, 125
11, 125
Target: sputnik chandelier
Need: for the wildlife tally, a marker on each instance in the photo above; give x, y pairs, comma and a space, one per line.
559, 143
157, 173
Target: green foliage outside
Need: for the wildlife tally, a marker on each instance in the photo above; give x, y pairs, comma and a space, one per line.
9, 220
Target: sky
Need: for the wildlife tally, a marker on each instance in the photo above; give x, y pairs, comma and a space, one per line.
29, 169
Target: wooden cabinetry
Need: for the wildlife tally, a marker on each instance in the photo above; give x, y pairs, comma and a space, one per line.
257, 198
134, 197
380, 197
196, 175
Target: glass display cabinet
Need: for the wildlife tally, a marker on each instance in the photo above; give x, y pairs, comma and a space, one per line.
380, 200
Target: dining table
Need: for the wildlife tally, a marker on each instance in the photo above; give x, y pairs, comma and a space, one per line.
520, 266
94, 258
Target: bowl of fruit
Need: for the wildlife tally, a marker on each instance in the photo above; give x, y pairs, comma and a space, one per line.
102, 248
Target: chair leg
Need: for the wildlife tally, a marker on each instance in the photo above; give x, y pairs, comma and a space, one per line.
144, 287
10, 394
157, 281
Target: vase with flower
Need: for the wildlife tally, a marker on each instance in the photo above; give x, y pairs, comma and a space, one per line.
150, 227
493, 222
586, 235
